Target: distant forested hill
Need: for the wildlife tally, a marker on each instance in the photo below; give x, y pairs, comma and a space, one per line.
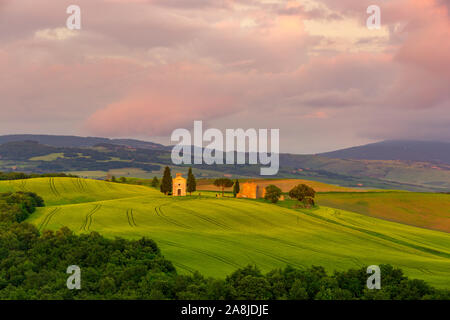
74, 141
423, 151
405, 167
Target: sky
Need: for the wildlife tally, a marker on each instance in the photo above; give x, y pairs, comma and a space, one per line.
311, 68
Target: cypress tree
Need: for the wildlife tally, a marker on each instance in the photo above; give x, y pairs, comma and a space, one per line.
166, 184
191, 183
155, 182
236, 188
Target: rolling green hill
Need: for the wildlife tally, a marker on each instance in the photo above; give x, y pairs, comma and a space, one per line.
217, 235
425, 210
61, 191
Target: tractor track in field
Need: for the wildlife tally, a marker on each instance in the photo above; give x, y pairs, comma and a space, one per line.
382, 236
183, 266
47, 218
204, 252
88, 219
289, 243
296, 245
213, 221
208, 219
108, 184
76, 185
22, 185
86, 185
357, 262
224, 260
262, 252
424, 270
83, 185
161, 214
280, 259
79, 185
253, 216
130, 218
16, 185
51, 182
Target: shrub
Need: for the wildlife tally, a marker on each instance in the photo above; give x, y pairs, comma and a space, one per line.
273, 193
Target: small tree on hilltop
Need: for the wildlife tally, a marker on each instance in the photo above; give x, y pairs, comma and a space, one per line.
236, 188
191, 182
303, 193
166, 184
273, 193
155, 182
223, 183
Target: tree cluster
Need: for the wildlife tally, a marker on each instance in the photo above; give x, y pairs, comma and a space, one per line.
223, 183
273, 193
22, 175
18, 206
304, 194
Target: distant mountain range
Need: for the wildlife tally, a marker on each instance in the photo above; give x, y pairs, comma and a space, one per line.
405, 165
75, 141
406, 150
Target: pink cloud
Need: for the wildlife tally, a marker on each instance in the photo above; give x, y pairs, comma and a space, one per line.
424, 58
143, 68
154, 115
160, 104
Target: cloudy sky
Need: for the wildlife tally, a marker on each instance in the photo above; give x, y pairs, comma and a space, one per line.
142, 68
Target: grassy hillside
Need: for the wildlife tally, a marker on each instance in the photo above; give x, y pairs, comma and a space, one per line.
426, 210
216, 236
61, 191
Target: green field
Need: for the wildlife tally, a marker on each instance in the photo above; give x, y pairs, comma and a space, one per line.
425, 210
64, 191
218, 235
48, 157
